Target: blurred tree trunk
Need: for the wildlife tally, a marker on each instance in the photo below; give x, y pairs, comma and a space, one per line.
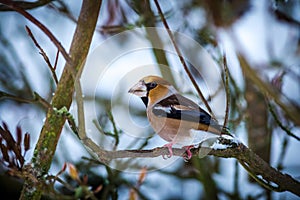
259, 136
206, 173
145, 11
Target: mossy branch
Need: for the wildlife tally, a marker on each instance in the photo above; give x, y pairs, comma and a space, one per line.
50, 133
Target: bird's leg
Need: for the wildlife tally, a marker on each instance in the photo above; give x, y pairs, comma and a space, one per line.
169, 145
188, 152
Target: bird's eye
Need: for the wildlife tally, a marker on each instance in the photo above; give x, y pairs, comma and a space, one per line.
151, 85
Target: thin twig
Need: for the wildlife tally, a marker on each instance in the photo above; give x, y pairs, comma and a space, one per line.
80, 106
182, 59
15, 98
284, 128
56, 60
43, 53
227, 91
58, 179
28, 16
282, 153
26, 5
116, 132
41, 100
36, 99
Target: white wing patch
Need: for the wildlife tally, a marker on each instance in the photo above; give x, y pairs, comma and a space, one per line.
162, 108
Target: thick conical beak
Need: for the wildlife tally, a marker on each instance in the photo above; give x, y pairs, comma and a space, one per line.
139, 89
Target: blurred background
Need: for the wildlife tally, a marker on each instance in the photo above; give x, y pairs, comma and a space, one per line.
126, 47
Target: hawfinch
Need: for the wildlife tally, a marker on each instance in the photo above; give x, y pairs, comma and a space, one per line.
174, 117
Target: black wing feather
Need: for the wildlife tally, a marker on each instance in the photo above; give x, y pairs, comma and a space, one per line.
192, 112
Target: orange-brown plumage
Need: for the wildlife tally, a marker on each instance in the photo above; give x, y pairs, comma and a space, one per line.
174, 117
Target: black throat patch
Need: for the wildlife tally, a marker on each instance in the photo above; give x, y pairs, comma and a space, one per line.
145, 100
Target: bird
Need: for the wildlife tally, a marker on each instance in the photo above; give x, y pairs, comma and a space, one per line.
175, 118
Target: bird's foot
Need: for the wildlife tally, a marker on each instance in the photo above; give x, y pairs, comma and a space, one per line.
169, 145
188, 152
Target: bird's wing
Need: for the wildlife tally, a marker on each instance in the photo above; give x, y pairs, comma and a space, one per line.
179, 107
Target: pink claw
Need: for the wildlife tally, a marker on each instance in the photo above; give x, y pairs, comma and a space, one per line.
169, 145
188, 152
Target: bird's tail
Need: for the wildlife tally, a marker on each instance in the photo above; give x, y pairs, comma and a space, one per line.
219, 129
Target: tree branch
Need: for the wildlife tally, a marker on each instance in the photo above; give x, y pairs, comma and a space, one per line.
266, 175
41, 26
50, 133
43, 53
181, 58
227, 90
283, 182
26, 5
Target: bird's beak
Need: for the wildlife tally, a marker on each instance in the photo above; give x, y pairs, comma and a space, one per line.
139, 89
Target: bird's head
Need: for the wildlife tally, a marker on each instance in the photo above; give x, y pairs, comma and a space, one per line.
152, 89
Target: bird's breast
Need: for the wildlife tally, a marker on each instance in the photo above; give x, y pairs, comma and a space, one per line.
173, 130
